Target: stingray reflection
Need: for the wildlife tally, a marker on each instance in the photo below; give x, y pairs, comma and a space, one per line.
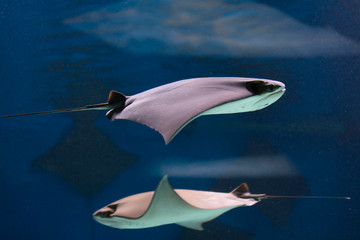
194, 27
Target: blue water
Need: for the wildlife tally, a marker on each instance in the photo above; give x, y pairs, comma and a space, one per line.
56, 170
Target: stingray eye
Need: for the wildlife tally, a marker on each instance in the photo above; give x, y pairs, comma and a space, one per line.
107, 211
273, 88
256, 87
112, 207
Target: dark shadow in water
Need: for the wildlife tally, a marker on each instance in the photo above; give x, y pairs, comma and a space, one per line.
86, 158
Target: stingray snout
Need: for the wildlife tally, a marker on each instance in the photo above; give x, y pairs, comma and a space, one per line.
105, 212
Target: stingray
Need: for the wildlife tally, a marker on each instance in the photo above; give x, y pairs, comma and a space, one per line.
169, 108
187, 208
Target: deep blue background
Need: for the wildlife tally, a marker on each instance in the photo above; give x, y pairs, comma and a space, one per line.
45, 63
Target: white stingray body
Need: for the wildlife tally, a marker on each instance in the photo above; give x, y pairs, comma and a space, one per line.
188, 208
170, 107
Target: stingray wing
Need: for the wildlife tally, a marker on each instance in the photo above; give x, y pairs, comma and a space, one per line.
167, 207
170, 107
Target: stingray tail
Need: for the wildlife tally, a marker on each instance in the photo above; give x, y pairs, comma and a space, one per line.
115, 102
306, 197
90, 107
243, 191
